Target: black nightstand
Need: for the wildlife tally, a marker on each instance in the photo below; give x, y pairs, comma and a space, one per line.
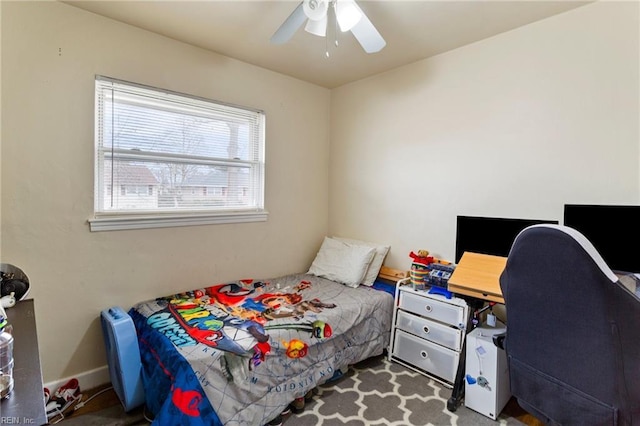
25, 405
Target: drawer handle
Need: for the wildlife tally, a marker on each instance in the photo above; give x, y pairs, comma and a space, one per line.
428, 308
424, 354
426, 329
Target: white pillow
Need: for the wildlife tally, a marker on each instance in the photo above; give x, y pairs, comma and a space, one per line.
374, 268
342, 262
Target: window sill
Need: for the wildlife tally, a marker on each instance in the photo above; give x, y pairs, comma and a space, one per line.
119, 223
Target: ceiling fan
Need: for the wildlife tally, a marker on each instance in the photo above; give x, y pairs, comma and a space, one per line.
348, 16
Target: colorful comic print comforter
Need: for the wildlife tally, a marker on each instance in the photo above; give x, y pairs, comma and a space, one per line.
238, 353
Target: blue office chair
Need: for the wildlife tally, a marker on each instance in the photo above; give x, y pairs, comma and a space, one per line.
573, 331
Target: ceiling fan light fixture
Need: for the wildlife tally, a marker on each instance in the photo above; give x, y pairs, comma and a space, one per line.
318, 28
315, 10
347, 14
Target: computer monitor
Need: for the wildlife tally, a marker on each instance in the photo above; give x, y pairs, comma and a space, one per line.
489, 235
614, 231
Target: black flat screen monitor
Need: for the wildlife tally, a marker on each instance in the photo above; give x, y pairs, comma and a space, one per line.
489, 235
614, 230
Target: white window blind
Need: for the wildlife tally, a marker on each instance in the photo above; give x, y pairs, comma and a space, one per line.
167, 159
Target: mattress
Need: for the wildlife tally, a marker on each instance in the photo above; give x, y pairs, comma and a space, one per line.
238, 353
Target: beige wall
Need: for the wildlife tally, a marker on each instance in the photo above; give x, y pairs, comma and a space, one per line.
50, 54
513, 126
0, 135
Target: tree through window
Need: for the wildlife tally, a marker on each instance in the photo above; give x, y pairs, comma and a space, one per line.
174, 155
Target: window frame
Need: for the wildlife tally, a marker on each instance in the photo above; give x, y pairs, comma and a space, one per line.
108, 220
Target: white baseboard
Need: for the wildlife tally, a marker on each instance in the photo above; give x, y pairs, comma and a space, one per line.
87, 380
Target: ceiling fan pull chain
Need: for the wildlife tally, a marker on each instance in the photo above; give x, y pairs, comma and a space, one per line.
326, 47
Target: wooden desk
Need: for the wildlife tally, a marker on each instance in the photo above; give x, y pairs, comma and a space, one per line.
478, 275
25, 404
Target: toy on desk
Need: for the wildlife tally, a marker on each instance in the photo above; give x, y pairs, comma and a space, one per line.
438, 278
439, 274
422, 258
428, 271
419, 268
442, 291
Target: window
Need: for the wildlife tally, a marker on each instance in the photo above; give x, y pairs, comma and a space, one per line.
162, 148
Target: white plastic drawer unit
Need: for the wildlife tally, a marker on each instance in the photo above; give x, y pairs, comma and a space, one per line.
434, 309
428, 356
428, 332
436, 332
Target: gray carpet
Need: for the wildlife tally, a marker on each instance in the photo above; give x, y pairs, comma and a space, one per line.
375, 392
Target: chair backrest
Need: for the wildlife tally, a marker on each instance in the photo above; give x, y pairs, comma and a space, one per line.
572, 331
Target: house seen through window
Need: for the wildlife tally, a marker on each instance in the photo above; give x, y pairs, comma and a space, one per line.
167, 159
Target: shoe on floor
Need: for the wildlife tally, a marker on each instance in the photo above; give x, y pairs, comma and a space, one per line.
276, 422
47, 395
308, 396
61, 403
297, 406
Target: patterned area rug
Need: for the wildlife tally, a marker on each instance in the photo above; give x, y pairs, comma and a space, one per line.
377, 392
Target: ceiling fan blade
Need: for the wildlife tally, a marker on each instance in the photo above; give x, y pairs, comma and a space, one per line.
289, 26
367, 35
347, 14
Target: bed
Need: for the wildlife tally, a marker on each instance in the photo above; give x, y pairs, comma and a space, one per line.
238, 353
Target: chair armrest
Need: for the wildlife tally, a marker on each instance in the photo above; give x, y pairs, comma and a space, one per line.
498, 340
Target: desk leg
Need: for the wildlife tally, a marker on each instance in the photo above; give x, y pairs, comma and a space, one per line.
457, 393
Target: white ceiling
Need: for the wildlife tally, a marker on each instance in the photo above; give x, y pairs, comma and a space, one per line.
413, 30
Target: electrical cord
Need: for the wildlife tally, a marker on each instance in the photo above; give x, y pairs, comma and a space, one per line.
144, 414
58, 413
81, 404
477, 351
